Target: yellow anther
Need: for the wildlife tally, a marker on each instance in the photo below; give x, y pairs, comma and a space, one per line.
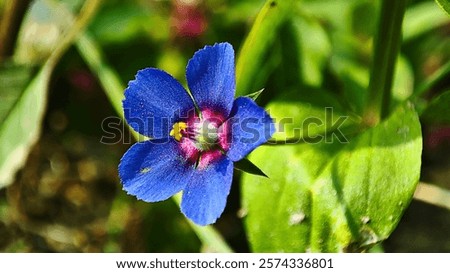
176, 130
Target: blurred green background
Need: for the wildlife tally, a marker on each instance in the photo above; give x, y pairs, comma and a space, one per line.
68, 198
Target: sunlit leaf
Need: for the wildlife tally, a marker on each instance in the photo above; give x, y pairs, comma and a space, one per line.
334, 196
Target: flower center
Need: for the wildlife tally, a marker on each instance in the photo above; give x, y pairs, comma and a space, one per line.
204, 133
202, 139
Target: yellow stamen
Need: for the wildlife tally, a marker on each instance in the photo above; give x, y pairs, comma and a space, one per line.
176, 130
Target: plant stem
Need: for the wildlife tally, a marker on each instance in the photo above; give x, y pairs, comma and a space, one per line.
442, 73
113, 87
386, 47
87, 12
110, 80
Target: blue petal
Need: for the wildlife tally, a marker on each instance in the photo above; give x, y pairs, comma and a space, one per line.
205, 196
211, 78
154, 170
154, 101
251, 126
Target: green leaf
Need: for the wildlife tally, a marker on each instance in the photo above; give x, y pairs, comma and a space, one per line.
444, 4
334, 196
257, 45
438, 111
247, 166
21, 127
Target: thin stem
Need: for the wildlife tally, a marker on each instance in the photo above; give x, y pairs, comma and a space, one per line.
439, 75
87, 12
113, 87
110, 80
10, 24
387, 44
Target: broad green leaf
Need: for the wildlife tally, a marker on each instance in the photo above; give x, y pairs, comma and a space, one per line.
334, 196
438, 111
300, 114
257, 45
21, 127
444, 4
361, 195
422, 18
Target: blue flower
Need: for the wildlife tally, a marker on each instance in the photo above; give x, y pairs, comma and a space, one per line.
194, 137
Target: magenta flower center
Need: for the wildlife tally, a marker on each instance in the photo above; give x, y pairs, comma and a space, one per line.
203, 138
